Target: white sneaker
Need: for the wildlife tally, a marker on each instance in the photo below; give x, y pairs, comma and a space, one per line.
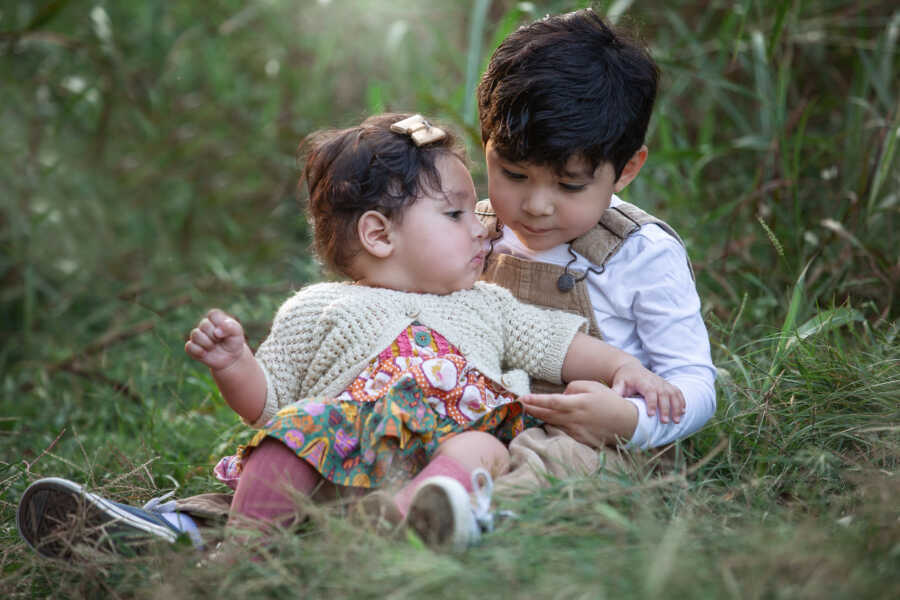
59, 519
442, 513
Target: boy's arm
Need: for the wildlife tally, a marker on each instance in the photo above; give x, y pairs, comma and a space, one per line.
646, 301
669, 324
591, 359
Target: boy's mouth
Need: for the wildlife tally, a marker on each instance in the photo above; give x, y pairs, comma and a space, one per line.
536, 230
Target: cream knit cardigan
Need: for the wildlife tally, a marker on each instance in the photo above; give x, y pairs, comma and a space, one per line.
325, 335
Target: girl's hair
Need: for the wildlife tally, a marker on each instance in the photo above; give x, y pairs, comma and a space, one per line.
367, 167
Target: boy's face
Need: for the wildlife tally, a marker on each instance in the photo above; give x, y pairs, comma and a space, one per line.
545, 208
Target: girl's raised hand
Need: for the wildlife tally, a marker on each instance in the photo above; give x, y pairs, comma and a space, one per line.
217, 341
634, 379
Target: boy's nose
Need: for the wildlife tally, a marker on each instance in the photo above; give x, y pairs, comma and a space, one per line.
538, 204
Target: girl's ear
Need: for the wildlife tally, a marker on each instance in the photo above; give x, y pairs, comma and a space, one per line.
374, 231
631, 170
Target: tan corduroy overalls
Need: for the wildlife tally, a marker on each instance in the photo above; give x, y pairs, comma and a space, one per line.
549, 450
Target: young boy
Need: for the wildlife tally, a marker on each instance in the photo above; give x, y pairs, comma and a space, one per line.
564, 107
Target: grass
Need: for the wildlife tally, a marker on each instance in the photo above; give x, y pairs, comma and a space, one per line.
149, 175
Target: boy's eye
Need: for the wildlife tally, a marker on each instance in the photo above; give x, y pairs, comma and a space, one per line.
512, 174
572, 187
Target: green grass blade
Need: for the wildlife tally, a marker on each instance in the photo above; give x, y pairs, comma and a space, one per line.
824, 321
473, 57
790, 321
885, 162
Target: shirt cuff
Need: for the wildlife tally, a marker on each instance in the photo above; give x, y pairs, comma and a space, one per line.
641, 436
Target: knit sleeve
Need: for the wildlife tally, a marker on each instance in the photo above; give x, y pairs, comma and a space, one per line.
288, 349
536, 339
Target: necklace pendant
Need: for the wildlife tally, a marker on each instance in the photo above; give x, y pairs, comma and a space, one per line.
565, 283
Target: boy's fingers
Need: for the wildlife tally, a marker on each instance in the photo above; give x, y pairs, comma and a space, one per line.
540, 413
663, 403
547, 402
651, 399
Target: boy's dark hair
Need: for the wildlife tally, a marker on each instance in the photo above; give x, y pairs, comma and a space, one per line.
367, 167
568, 85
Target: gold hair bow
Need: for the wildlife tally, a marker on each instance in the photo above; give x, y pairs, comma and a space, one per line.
419, 129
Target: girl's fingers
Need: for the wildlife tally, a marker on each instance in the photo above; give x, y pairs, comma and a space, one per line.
201, 339
194, 350
220, 324
231, 327
216, 316
220, 318
207, 327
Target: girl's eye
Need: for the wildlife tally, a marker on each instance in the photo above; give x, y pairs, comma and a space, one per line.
456, 215
572, 187
513, 175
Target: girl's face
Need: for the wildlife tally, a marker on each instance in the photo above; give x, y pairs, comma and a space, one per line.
439, 244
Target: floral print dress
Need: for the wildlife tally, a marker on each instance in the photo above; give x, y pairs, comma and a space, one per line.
388, 423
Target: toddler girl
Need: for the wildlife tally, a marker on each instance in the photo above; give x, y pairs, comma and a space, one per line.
411, 368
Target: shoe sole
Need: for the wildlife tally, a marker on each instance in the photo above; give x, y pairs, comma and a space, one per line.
59, 519
440, 522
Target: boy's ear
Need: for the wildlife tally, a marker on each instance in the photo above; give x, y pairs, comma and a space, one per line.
374, 231
631, 170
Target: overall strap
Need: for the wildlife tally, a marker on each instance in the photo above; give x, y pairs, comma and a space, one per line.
601, 242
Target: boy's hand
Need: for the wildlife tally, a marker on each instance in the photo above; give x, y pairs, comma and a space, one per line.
588, 411
217, 341
634, 379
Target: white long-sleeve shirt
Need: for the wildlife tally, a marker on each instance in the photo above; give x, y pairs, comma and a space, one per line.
645, 303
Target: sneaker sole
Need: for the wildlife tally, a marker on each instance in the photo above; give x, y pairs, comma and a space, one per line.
56, 516
440, 522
